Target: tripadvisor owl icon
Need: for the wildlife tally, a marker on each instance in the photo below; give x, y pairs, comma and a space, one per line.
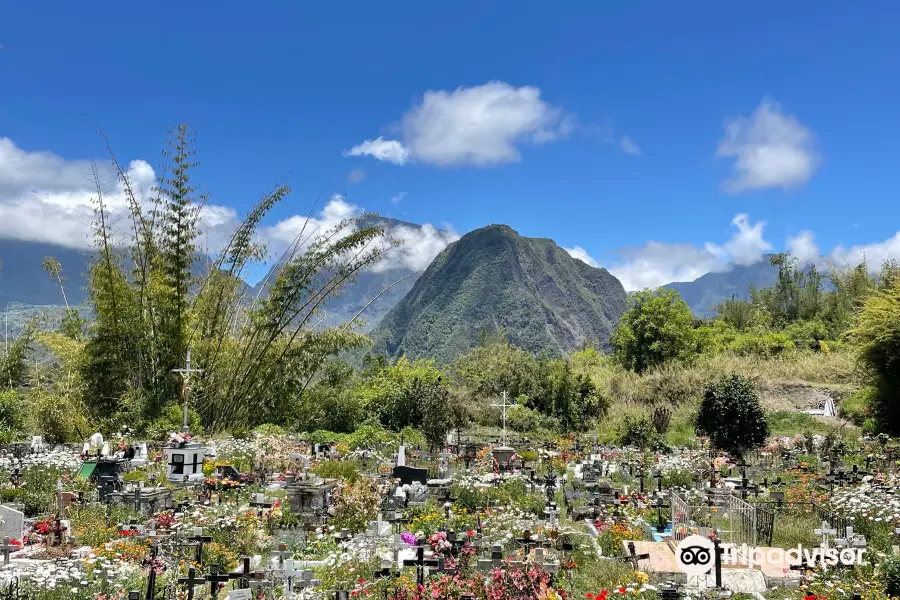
695, 555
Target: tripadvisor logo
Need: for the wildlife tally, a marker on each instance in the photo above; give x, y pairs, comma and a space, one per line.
696, 555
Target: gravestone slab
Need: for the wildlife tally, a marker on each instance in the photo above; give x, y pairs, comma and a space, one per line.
12, 523
407, 475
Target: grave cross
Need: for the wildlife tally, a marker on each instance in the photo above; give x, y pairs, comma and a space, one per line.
216, 578
153, 567
825, 530
659, 506
503, 405
243, 576
191, 581
6, 548
658, 477
200, 539
420, 562
494, 562
295, 578
442, 568
186, 373
633, 557
282, 553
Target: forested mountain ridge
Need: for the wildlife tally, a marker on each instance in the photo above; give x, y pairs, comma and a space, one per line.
492, 278
709, 290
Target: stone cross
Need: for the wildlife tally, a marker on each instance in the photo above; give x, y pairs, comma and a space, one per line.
824, 531
503, 405
6, 548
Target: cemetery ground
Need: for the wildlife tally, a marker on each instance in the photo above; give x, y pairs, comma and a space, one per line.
491, 514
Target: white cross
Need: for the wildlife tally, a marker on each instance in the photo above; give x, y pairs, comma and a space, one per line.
186, 378
503, 405
825, 531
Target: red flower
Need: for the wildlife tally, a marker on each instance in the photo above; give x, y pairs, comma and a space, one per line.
621, 590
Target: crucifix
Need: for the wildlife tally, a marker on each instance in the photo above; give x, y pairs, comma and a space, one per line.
185, 387
420, 562
503, 405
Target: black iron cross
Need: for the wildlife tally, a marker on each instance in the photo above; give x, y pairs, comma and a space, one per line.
200, 539
214, 578
442, 568
190, 581
243, 576
659, 506
151, 576
420, 562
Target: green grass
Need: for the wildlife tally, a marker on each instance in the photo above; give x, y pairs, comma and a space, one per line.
791, 423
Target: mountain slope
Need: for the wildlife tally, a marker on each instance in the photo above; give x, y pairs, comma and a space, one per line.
493, 278
23, 279
705, 292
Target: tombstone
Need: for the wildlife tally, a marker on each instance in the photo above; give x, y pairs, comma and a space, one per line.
401, 456
12, 523
408, 475
184, 461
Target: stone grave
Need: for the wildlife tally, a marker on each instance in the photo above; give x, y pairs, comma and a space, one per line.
12, 523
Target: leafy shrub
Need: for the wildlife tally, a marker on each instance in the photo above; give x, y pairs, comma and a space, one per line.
858, 405
57, 417
337, 469
890, 570
12, 417
678, 478
269, 430
638, 432
172, 420
355, 504
368, 436
731, 415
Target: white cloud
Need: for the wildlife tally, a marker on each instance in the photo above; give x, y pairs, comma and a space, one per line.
582, 255
420, 246
47, 198
874, 254
481, 125
657, 263
770, 150
391, 151
356, 176
628, 146
746, 246
803, 247
398, 197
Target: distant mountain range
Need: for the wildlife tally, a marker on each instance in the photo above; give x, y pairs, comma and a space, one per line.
705, 292
494, 279
490, 278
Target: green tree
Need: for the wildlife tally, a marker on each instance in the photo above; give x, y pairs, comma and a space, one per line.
877, 337
731, 416
657, 327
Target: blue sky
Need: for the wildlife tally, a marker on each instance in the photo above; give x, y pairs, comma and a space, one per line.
659, 139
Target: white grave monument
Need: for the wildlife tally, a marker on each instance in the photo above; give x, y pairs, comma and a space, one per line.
184, 458
12, 523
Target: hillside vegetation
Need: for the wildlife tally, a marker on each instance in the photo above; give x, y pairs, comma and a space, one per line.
491, 279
